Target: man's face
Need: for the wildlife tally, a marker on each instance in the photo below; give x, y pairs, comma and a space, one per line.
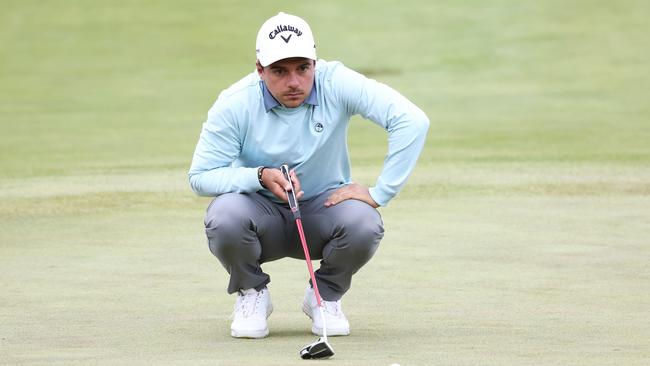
289, 80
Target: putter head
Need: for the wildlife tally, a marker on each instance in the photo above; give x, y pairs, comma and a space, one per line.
317, 350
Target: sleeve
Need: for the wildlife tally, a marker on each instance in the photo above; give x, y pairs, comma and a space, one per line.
406, 124
220, 144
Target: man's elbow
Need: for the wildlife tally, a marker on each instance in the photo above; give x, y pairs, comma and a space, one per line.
421, 122
195, 184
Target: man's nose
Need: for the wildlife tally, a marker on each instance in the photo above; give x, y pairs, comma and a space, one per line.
292, 81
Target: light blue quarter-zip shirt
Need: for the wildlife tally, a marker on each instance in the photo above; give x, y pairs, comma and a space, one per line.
244, 130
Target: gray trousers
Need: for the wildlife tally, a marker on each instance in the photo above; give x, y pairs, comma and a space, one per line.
245, 230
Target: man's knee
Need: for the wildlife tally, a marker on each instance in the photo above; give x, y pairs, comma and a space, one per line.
362, 219
227, 225
361, 226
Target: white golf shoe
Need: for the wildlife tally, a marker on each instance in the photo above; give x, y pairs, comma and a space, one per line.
249, 317
336, 322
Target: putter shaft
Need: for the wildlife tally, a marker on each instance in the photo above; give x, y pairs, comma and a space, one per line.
320, 348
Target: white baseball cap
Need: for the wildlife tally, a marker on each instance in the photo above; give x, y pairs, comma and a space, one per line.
284, 36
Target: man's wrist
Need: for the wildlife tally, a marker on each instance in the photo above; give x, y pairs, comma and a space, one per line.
260, 170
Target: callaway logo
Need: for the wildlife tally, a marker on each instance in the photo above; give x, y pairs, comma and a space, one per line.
318, 127
286, 40
284, 28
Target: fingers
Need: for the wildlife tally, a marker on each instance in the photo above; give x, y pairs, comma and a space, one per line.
332, 200
351, 191
296, 184
338, 196
276, 183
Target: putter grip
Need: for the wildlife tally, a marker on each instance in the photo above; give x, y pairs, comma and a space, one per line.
291, 195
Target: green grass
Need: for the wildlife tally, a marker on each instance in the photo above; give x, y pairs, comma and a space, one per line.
521, 238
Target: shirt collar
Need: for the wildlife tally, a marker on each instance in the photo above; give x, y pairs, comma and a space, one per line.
270, 102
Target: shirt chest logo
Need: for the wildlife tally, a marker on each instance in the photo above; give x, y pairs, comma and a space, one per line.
318, 127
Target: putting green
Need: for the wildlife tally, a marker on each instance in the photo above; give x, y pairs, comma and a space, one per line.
521, 238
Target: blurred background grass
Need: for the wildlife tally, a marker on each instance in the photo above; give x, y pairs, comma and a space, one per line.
97, 86
524, 224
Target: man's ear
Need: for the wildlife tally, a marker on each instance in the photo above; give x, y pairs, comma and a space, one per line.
259, 67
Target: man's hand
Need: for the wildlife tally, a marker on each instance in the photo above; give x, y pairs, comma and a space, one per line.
352, 191
274, 181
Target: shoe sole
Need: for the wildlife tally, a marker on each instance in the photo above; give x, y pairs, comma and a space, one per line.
331, 332
250, 335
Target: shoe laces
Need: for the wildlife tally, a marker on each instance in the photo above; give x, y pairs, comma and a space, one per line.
248, 303
332, 308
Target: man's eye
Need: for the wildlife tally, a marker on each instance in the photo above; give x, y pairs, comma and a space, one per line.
277, 72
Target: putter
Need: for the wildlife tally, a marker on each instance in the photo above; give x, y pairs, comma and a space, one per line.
321, 348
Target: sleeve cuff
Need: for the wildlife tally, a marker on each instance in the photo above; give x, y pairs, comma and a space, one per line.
252, 183
380, 197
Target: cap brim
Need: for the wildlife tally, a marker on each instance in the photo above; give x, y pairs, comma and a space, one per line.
266, 61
